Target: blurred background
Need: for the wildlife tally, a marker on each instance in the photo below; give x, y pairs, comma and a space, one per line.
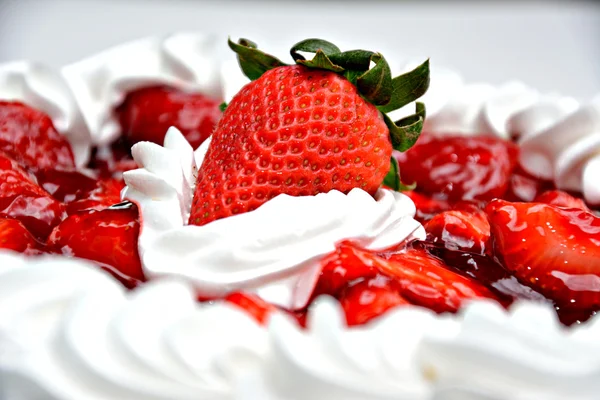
550, 45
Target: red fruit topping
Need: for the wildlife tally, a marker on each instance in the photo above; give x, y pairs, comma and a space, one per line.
459, 168
525, 187
147, 113
339, 269
458, 229
561, 199
21, 198
427, 207
112, 160
370, 298
259, 309
109, 237
80, 191
419, 277
296, 131
14, 236
554, 250
28, 136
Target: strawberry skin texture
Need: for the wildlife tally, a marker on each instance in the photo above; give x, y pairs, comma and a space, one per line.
21, 198
458, 168
109, 237
295, 131
368, 299
14, 236
29, 137
554, 250
147, 113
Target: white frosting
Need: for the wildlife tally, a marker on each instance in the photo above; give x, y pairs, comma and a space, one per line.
43, 88
101, 82
274, 250
559, 138
567, 151
69, 331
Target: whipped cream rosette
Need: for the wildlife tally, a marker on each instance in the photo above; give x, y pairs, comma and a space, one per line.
43, 88
186, 61
274, 250
157, 342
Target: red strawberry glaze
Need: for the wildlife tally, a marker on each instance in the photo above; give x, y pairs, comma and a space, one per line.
147, 113
465, 228
14, 236
561, 199
21, 198
109, 237
29, 137
367, 299
554, 250
458, 167
112, 160
81, 190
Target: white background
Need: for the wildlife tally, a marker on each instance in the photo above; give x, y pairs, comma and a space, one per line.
553, 46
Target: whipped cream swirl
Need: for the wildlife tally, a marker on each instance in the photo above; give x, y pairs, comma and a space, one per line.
567, 151
273, 251
559, 137
44, 89
100, 83
70, 331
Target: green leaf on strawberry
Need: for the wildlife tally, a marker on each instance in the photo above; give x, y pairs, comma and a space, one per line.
253, 62
405, 132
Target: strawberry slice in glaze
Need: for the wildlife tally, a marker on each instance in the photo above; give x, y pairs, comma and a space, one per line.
464, 228
554, 250
14, 236
459, 168
418, 276
29, 137
21, 198
559, 198
81, 190
147, 113
367, 299
108, 237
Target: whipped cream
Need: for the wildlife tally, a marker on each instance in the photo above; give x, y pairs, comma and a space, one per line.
567, 151
559, 137
44, 88
157, 342
273, 251
100, 83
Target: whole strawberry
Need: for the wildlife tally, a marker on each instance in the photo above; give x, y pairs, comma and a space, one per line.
307, 128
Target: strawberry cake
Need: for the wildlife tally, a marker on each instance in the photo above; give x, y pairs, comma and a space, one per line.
173, 227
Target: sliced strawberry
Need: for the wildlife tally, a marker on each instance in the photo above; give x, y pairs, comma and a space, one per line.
421, 278
109, 237
370, 298
552, 249
14, 236
112, 160
460, 168
21, 198
525, 187
427, 207
147, 113
79, 190
29, 137
561, 199
339, 268
259, 309
463, 229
